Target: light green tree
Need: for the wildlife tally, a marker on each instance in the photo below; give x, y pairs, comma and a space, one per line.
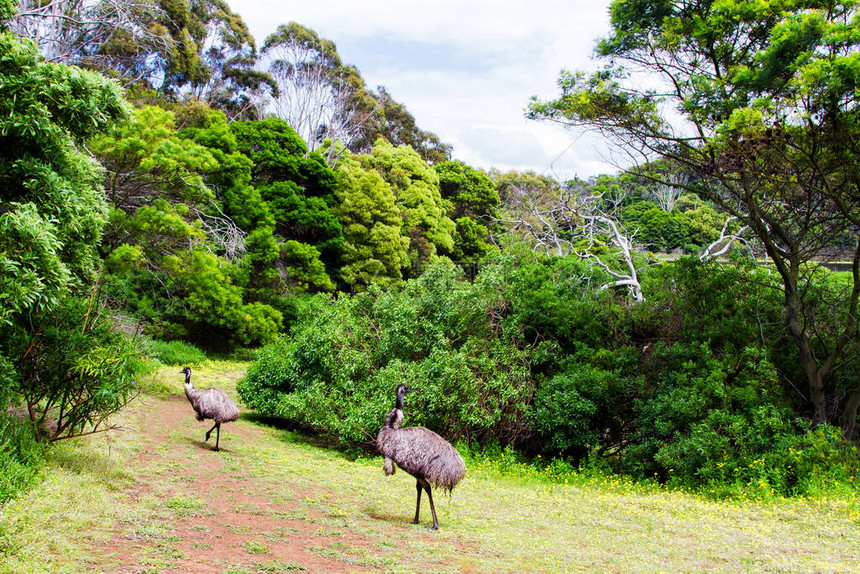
374, 249
70, 367
423, 210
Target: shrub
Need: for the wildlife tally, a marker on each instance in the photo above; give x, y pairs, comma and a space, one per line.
340, 366
21, 456
174, 352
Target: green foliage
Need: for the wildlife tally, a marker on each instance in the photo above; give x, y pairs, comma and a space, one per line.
474, 200
419, 199
305, 270
71, 369
33, 277
174, 352
690, 387
753, 83
659, 230
51, 196
343, 360
585, 405
297, 187
146, 159
74, 370
374, 250
21, 456
180, 286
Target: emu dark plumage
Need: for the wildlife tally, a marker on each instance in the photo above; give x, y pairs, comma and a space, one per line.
211, 404
420, 452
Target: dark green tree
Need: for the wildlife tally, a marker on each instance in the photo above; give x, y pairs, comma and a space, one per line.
474, 200
758, 101
297, 185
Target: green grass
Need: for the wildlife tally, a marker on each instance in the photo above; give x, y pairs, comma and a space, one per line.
506, 516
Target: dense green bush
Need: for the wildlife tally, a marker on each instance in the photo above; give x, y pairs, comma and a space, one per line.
689, 387
73, 369
340, 366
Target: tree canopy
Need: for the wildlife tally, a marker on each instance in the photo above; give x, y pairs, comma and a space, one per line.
759, 101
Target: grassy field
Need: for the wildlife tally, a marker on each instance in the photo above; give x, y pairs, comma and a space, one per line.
155, 498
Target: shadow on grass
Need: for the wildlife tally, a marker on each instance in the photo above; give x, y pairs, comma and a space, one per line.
299, 433
99, 465
210, 446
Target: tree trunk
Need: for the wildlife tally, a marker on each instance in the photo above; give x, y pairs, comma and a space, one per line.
814, 378
849, 415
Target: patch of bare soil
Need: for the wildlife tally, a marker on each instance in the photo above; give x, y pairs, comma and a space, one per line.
218, 519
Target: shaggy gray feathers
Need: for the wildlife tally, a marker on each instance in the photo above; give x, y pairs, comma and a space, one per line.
420, 452
212, 404
423, 454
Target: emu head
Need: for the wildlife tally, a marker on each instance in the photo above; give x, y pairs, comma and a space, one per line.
401, 390
187, 372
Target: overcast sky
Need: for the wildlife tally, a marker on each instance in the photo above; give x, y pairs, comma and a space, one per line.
466, 69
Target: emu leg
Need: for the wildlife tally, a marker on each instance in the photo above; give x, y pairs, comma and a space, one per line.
417, 500
432, 508
209, 432
218, 435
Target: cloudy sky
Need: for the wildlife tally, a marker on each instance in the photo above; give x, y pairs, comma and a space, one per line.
466, 69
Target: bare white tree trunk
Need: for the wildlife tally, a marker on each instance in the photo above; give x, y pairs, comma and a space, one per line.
600, 224
311, 98
667, 193
71, 31
569, 220
725, 242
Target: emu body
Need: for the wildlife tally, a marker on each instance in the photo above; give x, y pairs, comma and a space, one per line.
211, 404
420, 452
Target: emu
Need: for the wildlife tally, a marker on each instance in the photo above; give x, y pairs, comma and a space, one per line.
212, 404
420, 452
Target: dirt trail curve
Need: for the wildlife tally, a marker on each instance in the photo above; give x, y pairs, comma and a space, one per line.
211, 515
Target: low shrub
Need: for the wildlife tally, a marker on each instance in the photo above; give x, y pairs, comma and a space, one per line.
174, 352
21, 456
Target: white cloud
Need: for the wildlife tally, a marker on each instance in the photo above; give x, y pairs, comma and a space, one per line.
466, 69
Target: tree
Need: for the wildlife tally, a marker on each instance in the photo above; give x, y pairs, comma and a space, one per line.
393, 122
196, 48
572, 220
296, 184
474, 200
324, 99
758, 102
145, 159
374, 249
316, 92
58, 354
422, 208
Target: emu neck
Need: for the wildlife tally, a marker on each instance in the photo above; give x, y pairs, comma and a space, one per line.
394, 418
189, 388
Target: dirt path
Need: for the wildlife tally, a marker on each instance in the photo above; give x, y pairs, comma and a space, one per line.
212, 516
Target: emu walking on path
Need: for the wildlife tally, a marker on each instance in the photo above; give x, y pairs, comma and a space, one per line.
420, 452
212, 404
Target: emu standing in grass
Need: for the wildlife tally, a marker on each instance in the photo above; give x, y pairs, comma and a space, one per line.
420, 452
212, 404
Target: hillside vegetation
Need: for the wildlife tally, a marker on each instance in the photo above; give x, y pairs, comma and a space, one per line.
172, 189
